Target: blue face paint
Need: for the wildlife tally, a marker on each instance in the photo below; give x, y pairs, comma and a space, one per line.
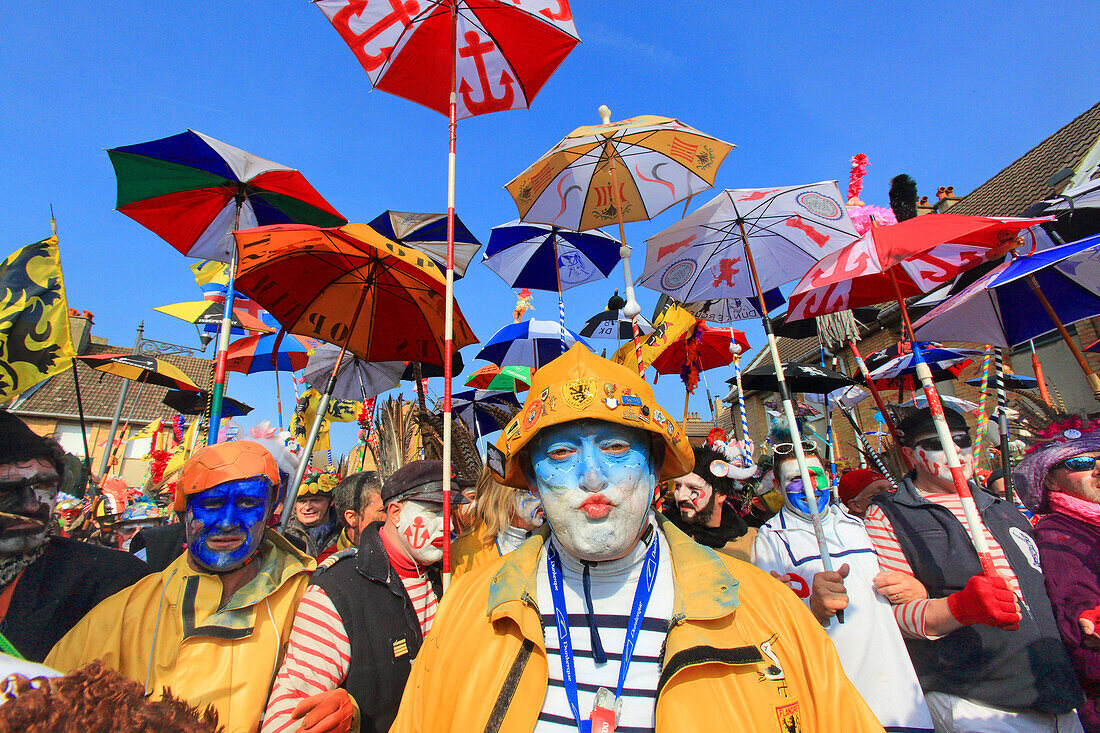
596, 482
796, 495
225, 523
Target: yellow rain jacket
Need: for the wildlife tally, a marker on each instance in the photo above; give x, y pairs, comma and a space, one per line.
743, 653
167, 630
472, 550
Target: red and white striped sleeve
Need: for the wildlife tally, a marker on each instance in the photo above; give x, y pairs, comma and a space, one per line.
910, 616
317, 659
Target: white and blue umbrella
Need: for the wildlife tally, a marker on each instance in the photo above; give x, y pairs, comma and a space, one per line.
542, 257
530, 343
475, 408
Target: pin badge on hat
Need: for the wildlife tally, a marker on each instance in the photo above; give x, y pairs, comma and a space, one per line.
579, 393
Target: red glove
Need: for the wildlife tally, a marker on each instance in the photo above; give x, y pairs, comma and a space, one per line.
985, 600
325, 712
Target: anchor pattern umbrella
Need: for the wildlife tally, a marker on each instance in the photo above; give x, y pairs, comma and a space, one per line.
185, 188
541, 257
501, 53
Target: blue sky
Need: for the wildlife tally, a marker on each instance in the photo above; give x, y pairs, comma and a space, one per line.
949, 93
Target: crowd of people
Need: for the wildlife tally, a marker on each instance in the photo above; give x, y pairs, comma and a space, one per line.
607, 575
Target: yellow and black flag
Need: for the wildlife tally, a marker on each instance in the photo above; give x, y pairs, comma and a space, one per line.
34, 318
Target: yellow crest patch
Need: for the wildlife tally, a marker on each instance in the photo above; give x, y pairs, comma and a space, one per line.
401, 648
579, 393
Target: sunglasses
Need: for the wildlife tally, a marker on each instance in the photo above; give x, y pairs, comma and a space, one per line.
782, 449
962, 440
1079, 463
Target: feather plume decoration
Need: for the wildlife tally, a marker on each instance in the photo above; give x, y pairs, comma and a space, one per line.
689, 372
855, 178
903, 197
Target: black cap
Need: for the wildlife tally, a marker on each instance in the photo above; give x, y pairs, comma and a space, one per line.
419, 481
912, 421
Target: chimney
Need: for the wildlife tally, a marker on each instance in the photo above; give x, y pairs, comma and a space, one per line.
80, 327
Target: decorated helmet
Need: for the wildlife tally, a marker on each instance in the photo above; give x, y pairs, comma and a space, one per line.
322, 483
579, 385
142, 511
222, 462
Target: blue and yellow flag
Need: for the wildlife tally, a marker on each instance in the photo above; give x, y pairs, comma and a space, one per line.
34, 318
306, 412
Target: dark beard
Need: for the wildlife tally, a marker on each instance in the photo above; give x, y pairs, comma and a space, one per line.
12, 565
704, 515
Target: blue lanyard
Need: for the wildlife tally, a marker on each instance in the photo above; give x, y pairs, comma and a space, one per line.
565, 643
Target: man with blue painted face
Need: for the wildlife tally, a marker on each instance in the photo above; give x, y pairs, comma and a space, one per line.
608, 617
867, 637
213, 625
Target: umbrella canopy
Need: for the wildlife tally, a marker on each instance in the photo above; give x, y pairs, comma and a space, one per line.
898, 360
511, 378
431, 370
1002, 309
530, 343
714, 349
356, 379
614, 325
314, 281
788, 230
195, 403
209, 313
254, 354
186, 188
427, 233
799, 377
524, 255
728, 310
1011, 381
141, 368
500, 54
658, 160
481, 409
923, 253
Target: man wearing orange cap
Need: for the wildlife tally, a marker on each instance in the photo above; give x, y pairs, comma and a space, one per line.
211, 626
608, 617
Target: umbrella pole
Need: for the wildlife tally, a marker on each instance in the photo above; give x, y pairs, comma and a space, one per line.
1090, 375
1037, 367
932, 396
710, 399
788, 409
687, 396
108, 448
83, 429
278, 399
740, 397
448, 328
221, 374
632, 308
868, 451
863, 370
983, 419
557, 273
315, 429
1002, 425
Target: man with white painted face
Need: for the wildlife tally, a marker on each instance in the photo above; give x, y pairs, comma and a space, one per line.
366, 614
986, 648
704, 508
608, 617
212, 625
47, 582
867, 638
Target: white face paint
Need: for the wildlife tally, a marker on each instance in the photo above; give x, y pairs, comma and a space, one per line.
420, 530
930, 461
528, 510
596, 482
28, 495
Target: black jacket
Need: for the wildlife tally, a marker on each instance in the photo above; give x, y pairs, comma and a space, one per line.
162, 545
380, 622
1020, 669
57, 589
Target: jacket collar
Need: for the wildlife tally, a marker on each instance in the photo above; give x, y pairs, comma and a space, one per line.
704, 588
908, 495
